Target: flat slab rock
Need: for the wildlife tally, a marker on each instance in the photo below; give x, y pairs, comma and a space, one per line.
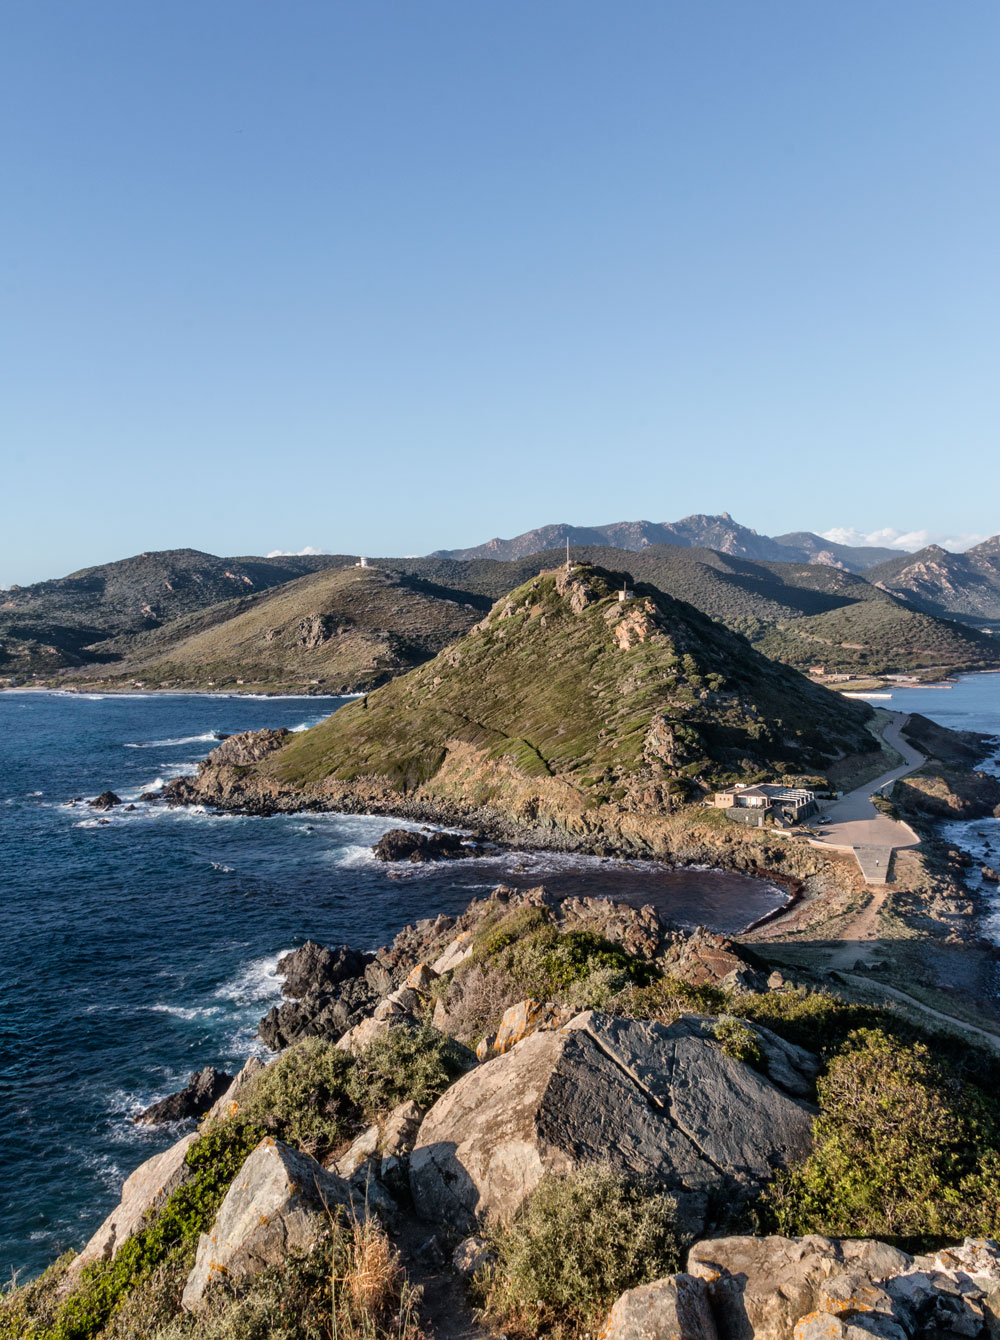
655, 1101
280, 1201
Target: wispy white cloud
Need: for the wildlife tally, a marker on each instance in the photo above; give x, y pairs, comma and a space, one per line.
295, 553
907, 540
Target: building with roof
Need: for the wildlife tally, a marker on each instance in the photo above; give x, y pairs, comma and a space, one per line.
767, 802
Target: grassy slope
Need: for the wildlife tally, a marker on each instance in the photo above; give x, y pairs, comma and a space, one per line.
342, 630
65, 621
548, 691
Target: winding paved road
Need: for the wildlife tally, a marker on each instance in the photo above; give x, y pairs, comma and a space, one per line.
854, 824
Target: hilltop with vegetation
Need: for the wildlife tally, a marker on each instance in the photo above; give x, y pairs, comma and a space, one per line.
69, 620
959, 586
341, 630
181, 618
569, 708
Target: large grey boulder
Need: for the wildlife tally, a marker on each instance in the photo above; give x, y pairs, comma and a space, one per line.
675, 1308
146, 1189
281, 1201
762, 1287
656, 1101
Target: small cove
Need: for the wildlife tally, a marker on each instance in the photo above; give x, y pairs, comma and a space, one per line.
141, 945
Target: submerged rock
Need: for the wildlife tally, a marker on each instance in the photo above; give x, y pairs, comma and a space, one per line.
107, 800
202, 1090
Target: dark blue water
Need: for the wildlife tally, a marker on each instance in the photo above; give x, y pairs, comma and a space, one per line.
136, 950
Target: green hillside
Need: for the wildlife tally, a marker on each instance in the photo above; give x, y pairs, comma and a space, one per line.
564, 697
338, 631
67, 621
871, 637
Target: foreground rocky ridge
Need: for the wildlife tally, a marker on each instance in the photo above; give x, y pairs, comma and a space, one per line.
661, 1057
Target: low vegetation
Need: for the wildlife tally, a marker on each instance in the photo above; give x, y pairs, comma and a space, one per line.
580, 1242
565, 699
906, 1149
521, 956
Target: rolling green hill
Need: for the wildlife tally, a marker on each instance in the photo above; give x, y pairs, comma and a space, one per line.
338, 631
565, 699
66, 621
803, 614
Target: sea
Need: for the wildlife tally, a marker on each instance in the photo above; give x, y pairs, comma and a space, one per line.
141, 944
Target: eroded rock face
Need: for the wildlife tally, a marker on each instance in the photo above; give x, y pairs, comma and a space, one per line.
704, 958
250, 746
313, 966
279, 1202
202, 1090
762, 1287
146, 1189
675, 1308
659, 1102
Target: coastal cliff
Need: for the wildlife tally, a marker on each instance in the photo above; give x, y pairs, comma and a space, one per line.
525, 1121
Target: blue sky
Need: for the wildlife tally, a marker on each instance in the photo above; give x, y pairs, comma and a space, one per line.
387, 277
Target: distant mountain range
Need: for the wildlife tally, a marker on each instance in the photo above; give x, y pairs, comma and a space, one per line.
320, 623
962, 586
720, 533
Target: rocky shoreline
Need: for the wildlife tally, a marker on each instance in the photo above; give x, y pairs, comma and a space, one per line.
422, 1091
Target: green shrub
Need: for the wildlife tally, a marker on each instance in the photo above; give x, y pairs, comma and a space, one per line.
580, 1242
905, 1149
738, 1041
167, 1241
404, 1064
302, 1097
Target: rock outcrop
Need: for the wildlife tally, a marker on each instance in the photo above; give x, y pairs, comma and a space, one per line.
146, 1189
816, 1288
314, 966
401, 844
329, 993
200, 1093
107, 800
662, 1102
280, 1202
675, 1308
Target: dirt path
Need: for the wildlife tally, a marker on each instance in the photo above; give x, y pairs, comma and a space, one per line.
859, 935
446, 1312
992, 1040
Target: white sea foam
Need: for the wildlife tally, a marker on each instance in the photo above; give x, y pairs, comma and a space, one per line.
221, 866
186, 1012
169, 744
353, 857
258, 980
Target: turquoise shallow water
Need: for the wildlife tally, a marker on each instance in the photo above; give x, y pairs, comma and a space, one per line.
137, 950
